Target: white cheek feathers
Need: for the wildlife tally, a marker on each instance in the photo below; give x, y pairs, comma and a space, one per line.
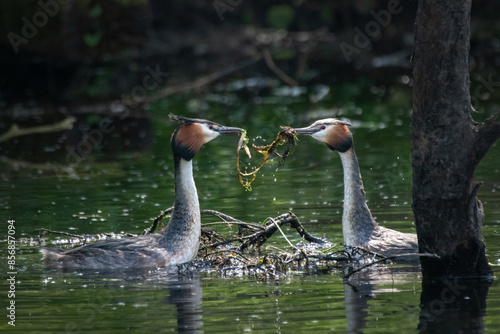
321, 136
336, 137
208, 134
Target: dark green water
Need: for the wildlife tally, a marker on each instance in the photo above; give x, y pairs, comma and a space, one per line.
123, 192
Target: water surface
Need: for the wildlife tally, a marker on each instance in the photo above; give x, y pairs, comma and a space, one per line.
121, 191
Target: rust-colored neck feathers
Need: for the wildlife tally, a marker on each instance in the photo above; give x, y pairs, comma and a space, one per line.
339, 138
187, 140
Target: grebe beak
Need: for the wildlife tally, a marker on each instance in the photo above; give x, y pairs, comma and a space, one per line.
226, 130
305, 131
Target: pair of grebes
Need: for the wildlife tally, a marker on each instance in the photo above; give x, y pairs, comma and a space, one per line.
178, 242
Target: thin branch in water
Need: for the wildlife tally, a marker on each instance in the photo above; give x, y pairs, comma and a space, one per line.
44, 231
295, 223
221, 215
283, 234
251, 226
389, 258
228, 220
259, 238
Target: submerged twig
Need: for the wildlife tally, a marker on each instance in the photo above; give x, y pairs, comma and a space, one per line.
43, 231
251, 226
221, 215
392, 257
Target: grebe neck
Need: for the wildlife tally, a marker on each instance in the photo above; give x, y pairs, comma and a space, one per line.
182, 233
357, 221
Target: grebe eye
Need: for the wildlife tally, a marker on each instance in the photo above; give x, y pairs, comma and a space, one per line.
323, 127
211, 127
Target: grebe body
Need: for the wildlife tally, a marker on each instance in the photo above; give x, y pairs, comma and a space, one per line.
178, 242
358, 226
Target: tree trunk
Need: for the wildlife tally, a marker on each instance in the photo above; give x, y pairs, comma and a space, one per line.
447, 144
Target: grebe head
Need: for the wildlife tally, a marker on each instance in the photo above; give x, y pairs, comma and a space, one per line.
331, 131
192, 133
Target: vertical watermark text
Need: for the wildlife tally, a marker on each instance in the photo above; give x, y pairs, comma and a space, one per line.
11, 273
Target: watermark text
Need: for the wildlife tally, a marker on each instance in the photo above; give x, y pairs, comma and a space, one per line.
11, 273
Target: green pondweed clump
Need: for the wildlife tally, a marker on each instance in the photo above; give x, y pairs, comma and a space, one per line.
286, 137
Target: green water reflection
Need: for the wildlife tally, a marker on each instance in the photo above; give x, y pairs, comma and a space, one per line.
123, 192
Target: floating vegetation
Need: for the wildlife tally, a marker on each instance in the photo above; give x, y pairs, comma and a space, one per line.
286, 137
242, 254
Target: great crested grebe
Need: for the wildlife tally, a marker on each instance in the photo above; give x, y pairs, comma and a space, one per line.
358, 226
179, 241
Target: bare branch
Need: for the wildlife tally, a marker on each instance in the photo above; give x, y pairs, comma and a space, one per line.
273, 67
16, 131
203, 81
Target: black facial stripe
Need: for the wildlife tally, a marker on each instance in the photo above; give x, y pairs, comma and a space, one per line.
180, 150
344, 145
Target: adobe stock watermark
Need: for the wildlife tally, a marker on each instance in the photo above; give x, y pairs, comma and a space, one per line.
139, 93
222, 6
120, 107
449, 295
484, 89
372, 30
11, 272
29, 30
